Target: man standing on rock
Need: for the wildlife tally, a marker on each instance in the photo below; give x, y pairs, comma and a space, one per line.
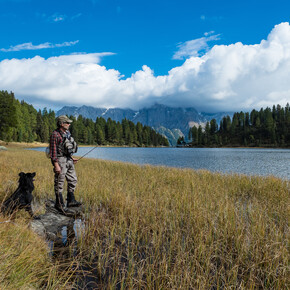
61, 148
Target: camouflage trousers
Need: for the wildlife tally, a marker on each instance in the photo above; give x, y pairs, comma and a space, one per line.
67, 173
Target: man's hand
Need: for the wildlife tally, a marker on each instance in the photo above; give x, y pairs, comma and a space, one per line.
57, 168
74, 160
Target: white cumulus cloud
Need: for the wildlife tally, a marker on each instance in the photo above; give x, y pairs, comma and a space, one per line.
225, 78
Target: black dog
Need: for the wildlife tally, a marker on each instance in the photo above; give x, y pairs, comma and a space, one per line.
22, 197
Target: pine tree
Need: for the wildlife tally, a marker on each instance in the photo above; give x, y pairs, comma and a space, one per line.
8, 115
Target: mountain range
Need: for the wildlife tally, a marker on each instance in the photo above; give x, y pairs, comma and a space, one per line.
169, 121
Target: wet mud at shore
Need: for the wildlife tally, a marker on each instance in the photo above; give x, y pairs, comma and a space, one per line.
62, 233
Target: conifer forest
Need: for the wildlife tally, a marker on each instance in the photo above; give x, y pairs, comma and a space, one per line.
21, 122
264, 128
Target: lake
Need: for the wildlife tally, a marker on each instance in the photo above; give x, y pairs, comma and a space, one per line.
247, 161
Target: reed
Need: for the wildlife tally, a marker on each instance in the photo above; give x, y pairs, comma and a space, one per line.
156, 227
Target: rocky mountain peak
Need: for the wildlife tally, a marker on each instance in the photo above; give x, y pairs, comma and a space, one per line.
165, 120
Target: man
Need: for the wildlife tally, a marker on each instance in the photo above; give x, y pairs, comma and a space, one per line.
61, 148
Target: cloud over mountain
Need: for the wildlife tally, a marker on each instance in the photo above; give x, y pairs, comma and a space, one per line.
225, 78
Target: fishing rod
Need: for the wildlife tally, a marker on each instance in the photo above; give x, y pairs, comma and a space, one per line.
87, 153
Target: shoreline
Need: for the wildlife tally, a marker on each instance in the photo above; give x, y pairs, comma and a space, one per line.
39, 144
233, 147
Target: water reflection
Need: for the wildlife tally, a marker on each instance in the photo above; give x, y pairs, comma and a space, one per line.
65, 243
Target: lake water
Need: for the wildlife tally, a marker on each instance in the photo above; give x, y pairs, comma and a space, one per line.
226, 160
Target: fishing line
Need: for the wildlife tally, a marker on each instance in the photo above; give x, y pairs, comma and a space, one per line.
87, 153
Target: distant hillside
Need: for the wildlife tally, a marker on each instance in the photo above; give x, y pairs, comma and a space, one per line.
171, 122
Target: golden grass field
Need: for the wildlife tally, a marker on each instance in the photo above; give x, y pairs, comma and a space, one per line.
152, 228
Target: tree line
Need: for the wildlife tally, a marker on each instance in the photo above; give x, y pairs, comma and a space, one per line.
103, 132
265, 128
21, 122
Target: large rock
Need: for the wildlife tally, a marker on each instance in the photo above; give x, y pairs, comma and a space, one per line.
51, 224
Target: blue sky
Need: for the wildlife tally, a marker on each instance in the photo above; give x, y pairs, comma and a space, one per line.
212, 55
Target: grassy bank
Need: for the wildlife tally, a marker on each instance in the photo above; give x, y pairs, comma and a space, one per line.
12, 145
155, 227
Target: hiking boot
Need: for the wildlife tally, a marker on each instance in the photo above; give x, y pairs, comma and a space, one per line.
60, 208
71, 201
65, 211
59, 204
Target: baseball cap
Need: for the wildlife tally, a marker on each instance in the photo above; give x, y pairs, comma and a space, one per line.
63, 119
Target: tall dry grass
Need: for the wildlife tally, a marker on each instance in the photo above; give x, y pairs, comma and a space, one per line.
24, 260
156, 227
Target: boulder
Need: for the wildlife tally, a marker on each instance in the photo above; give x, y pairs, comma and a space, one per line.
52, 223
3, 148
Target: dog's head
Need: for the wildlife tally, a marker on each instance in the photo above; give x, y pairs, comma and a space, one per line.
26, 180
